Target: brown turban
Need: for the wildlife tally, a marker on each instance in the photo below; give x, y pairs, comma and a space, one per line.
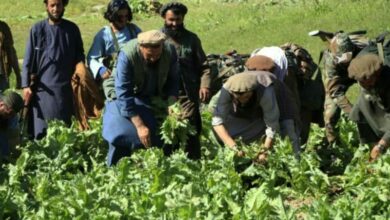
260, 62
363, 67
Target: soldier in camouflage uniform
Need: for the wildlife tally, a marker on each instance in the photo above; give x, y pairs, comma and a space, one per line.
337, 59
305, 79
8, 58
10, 104
194, 70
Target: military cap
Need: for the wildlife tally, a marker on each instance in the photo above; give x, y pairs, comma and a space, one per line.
260, 62
364, 66
242, 82
176, 6
152, 37
12, 100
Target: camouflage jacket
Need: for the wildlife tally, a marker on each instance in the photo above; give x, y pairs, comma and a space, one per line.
338, 81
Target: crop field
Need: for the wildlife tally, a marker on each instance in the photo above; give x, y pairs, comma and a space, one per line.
64, 175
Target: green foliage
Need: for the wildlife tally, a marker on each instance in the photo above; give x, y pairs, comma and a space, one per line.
64, 175
175, 129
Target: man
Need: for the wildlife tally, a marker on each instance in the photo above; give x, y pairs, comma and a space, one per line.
247, 108
289, 113
372, 110
108, 41
194, 70
307, 77
146, 70
337, 60
10, 104
53, 50
281, 69
8, 58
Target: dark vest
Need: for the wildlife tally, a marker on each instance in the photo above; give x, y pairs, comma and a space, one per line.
189, 69
132, 52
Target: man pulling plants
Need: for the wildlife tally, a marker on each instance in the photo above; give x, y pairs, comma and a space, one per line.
146, 70
247, 108
10, 104
372, 110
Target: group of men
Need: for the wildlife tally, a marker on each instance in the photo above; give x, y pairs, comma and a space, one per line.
138, 69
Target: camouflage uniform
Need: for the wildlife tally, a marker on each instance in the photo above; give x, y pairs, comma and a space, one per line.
305, 80
8, 58
337, 83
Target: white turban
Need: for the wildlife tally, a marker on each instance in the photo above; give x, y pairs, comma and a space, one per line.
279, 58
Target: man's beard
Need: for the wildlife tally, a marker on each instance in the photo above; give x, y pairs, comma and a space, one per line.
3, 119
168, 30
55, 19
150, 64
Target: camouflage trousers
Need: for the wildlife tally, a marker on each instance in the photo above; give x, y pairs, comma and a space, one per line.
332, 112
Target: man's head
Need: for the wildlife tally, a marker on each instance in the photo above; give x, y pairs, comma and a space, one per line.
366, 70
55, 9
118, 13
173, 14
151, 45
242, 86
10, 104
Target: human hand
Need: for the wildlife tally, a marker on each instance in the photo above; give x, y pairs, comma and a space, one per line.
204, 94
106, 74
144, 135
234, 148
27, 93
240, 153
262, 157
376, 151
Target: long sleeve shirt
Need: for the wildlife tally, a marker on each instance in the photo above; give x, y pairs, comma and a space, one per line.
249, 127
104, 45
124, 84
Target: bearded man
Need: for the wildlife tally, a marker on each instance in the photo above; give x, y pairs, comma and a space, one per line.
53, 50
146, 72
194, 70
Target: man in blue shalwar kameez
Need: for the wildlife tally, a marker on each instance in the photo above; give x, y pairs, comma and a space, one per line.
53, 50
146, 69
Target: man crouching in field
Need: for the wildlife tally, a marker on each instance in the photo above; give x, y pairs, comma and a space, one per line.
146, 70
372, 110
10, 104
247, 108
